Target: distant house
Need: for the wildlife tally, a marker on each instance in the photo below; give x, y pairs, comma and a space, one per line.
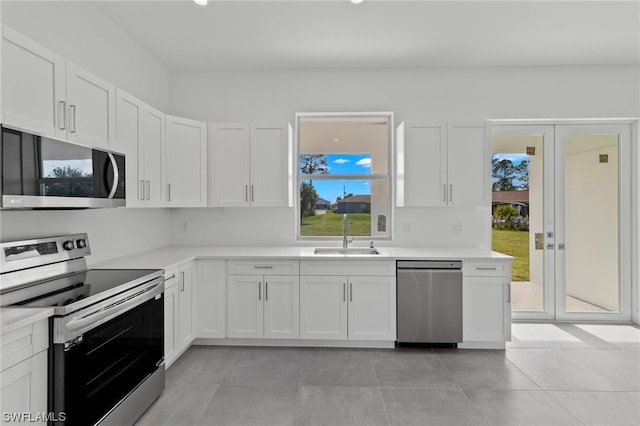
322, 204
518, 199
355, 204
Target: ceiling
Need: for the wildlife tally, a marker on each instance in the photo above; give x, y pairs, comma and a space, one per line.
298, 34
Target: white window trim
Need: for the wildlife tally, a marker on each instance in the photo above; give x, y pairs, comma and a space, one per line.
389, 177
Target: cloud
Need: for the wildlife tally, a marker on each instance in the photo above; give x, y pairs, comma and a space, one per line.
365, 162
341, 161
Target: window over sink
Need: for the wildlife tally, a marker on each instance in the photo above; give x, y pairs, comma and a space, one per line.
344, 167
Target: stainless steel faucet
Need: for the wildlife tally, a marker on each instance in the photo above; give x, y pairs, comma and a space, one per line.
345, 240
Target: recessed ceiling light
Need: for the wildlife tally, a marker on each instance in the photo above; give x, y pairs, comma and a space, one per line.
356, 1
335, 140
204, 2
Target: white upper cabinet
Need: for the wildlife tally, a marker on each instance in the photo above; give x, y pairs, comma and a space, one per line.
33, 86
186, 162
91, 108
45, 94
228, 154
443, 164
269, 165
129, 117
150, 161
249, 165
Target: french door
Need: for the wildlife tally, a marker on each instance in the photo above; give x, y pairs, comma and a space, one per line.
575, 264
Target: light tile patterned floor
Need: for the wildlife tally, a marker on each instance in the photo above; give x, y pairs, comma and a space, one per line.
550, 374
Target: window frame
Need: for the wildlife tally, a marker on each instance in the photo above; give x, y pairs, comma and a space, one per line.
388, 177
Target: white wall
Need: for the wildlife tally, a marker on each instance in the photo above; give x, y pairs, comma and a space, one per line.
84, 35
112, 232
81, 33
414, 95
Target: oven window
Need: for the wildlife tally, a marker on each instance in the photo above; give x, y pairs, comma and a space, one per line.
111, 361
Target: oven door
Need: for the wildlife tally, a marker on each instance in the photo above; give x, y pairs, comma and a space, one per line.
96, 371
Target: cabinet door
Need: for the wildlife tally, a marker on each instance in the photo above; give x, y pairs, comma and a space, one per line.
281, 307
228, 165
185, 310
153, 136
210, 299
171, 319
372, 308
186, 163
33, 86
269, 165
245, 306
91, 108
323, 307
483, 309
129, 117
24, 388
469, 162
421, 177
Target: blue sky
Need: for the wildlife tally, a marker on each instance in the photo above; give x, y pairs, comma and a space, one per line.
344, 164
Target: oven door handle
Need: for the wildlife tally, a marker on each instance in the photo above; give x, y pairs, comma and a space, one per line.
117, 307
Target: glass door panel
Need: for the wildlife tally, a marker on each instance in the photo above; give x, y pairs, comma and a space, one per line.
591, 192
521, 202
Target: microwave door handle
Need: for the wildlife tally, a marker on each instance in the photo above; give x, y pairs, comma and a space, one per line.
116, 175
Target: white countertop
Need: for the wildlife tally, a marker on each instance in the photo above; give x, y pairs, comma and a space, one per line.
170, 256
14, 318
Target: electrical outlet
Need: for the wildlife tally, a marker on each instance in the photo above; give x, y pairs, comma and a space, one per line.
185, 226
406, 228
456, 227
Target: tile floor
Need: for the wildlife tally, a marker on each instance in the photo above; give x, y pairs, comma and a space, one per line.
550, 374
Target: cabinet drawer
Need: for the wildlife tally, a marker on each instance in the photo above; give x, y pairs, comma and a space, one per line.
484, 269
23, 343
171, 277
348, 267
264, 267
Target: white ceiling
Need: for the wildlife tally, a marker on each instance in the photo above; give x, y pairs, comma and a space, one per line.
381, 33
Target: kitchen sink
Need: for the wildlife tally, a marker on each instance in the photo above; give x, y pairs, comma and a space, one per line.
347, 251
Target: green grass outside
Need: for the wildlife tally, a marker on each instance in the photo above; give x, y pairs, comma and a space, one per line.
516, 244
330, 224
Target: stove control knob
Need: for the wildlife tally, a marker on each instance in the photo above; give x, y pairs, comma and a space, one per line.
82, 243
68, 245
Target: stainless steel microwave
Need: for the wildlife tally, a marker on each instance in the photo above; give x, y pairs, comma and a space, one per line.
44, 173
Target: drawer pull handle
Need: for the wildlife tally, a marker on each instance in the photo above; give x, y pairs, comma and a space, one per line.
479, 268
263, 267
170, 278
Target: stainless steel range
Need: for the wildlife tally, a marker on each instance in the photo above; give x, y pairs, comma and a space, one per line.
106, 358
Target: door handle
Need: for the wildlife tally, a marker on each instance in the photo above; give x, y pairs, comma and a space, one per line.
246, 192
252, 191
141, 196
62, 114
148, 190
168, 192
350, 292
72, 118
116, 175
259, 290
266, 291
344, 292
444, 193
182, 279
450, 192
508, 293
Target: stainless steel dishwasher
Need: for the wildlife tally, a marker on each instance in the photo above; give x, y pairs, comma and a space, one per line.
429, 302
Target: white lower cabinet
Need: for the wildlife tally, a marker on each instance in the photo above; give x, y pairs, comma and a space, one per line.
359, 304
348, 307
486, 304
23, 379
262, 304
210, 296
178, 310
171, 308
